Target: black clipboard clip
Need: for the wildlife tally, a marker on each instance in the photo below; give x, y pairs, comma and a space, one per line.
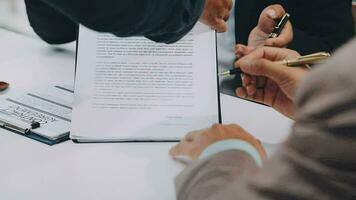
19, 128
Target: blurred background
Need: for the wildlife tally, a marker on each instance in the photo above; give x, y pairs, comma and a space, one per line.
13, 16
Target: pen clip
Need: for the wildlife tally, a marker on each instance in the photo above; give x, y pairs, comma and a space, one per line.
321, 55
279, 26
282, 22
306, 60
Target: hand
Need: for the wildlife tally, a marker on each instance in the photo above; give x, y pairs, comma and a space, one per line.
281, 82
259, 35
216, 13
195, 142
243, 50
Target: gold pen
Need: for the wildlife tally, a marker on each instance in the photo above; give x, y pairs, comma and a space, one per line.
295, 62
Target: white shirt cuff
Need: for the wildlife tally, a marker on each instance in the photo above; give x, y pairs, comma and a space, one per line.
232, 144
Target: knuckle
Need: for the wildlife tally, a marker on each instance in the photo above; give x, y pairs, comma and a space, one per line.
280, 43
217, 128
278, 7
215, 21
235, 127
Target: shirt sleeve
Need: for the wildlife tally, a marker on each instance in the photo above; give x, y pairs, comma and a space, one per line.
317, 160
232, 144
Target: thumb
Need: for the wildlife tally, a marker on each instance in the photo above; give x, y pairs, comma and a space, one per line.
262, 67
268, 16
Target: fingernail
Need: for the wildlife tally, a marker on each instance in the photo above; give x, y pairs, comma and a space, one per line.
237, 92
242, 77
243, 80
272, 13
240, 92
250, 90
172, 151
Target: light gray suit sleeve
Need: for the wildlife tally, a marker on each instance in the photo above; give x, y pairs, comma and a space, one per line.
318, 161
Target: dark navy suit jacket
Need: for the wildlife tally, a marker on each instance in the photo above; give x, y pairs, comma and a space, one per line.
319, 25
55, 21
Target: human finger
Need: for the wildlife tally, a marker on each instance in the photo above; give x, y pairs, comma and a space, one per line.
270, 93
246, 79
241, 92
268, 17
179, 149
283, 39
261, 82
251, 89
242, 50
220, 25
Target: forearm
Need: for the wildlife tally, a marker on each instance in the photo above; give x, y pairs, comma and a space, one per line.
162, 21
52, 26
292, 173
206, 178
318, 160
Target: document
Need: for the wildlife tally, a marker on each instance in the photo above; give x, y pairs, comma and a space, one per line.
136, 89
50, 107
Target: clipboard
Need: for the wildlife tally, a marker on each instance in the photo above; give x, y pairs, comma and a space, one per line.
43, 115
28, 132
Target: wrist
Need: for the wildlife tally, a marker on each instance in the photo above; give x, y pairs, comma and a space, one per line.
233, 144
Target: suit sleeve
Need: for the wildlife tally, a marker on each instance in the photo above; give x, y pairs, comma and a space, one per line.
316, 162
204, 179
321, 25
161, 20
50, 24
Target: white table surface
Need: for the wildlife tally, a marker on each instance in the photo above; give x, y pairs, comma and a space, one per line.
127, 171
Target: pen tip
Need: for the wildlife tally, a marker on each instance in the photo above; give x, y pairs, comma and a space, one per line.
224, 73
